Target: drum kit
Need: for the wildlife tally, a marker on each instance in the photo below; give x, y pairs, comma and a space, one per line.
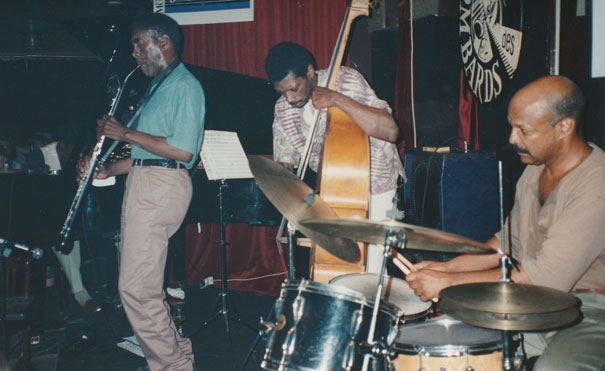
365, 321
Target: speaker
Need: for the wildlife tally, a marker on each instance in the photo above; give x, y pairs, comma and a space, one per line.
452, 192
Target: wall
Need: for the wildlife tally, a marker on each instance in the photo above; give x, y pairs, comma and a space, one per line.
242, 47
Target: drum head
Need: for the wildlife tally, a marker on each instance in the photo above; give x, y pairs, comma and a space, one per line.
339, 292
394, 291
445, 336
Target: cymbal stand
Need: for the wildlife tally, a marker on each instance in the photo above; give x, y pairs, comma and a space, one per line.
222, 304
291, 247
508, 362
377, 349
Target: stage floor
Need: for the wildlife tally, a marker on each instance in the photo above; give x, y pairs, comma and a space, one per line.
62, 346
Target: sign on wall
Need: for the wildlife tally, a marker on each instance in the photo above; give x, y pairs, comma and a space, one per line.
490, 44
187, 12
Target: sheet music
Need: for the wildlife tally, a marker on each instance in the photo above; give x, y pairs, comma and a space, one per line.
223, 156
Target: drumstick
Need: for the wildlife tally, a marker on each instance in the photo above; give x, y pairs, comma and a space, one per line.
401, 266
402, 263
403, 260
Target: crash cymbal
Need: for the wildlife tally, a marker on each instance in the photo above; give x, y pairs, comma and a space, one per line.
418, 238
509, 306
296, 201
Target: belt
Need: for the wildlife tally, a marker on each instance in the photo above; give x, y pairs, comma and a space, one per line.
169, 164
598, 291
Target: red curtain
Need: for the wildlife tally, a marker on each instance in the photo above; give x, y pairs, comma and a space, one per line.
403, 85
253, 261
468, 120
241, 47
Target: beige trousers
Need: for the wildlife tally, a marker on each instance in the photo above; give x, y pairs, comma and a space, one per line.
155, 202
579, 347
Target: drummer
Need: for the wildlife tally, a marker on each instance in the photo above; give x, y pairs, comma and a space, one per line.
557, 224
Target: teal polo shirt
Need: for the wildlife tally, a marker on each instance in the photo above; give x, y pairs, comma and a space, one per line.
176, 111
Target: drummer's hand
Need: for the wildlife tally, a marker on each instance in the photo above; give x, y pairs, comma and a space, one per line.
429, 264
427, 283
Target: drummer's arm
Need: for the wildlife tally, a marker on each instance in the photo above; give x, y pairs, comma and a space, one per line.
428, 278
482, 264
465, 263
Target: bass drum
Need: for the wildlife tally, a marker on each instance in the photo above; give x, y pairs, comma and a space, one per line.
447, 344
320, 327
394, 291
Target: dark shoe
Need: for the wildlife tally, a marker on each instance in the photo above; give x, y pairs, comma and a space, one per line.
91, 306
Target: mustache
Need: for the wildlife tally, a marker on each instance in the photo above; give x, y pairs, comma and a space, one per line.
517, 149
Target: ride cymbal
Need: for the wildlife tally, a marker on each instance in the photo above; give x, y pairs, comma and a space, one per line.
418, 238
296, 201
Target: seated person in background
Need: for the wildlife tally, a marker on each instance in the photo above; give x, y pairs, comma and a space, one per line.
556, 224
57, 156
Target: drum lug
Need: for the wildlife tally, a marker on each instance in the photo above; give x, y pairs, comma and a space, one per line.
298, 308
349, 356
356, 319
288, 346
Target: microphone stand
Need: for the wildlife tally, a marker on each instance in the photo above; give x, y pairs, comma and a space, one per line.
5, 252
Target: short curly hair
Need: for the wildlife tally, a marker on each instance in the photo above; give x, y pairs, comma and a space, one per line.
288, 57
158, 24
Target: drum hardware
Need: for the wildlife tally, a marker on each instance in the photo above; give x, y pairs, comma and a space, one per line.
296, 201
316, 326
291, 245
392, 239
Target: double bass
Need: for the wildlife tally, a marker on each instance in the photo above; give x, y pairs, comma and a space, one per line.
344, 174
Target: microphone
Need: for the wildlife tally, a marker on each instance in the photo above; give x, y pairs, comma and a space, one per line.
36, 253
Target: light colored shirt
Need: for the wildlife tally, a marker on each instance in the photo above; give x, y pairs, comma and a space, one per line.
291, 127
176, 111
561, 244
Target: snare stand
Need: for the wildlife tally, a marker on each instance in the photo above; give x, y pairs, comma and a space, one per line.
223, 298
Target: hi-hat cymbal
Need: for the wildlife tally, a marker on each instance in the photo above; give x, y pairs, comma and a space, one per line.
418, 238
296, 201
509, 306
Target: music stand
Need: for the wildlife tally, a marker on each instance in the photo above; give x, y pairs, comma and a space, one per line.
223, 158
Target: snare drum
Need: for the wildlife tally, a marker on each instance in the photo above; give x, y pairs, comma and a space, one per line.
447, 344
394, 291
319, 327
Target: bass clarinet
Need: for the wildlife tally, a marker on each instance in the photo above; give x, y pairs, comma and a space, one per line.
64, 244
